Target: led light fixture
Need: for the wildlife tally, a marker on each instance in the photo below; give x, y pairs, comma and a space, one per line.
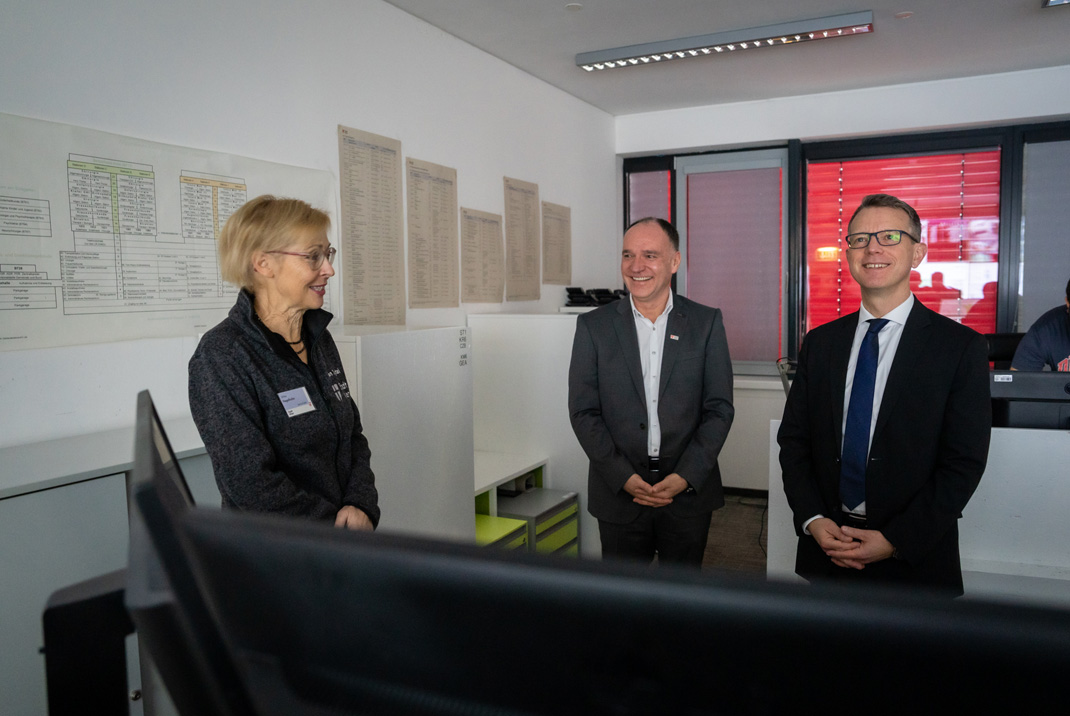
788, 33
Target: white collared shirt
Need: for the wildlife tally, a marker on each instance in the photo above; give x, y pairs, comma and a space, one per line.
887, 344
651, 335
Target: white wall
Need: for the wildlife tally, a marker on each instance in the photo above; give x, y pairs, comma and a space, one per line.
944, 104
272, 79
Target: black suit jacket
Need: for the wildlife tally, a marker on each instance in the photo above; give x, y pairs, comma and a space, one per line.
607, 405
928, 451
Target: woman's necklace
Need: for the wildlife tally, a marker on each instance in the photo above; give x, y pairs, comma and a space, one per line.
299, 341
294, 344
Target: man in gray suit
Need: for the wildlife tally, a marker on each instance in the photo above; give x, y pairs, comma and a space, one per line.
650, 398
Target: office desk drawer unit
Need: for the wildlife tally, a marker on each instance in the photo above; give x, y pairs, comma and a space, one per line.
501, 532
552, 518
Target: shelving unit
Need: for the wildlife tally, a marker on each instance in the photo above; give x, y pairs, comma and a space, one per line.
552, 518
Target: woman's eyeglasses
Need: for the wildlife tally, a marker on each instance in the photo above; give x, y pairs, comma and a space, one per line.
314, 257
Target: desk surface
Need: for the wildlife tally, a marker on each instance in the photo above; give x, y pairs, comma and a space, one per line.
63, 461
496, 468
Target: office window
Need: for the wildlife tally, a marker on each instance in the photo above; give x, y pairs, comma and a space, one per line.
957, 196
649, 194
731, 217
992, 215
1045, 260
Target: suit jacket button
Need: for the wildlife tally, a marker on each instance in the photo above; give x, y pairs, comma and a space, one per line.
642, 426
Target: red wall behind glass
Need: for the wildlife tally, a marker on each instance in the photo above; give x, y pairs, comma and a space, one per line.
957, 197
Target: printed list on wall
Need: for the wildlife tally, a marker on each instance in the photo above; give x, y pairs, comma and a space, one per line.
483, 275
432, 217
372, 254
522, 268
108, 238
556, 244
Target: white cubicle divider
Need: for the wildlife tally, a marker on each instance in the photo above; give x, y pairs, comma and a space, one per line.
1013, 534
414, 390
521, 400
780, 545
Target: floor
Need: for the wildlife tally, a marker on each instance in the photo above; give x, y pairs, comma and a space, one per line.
738, 534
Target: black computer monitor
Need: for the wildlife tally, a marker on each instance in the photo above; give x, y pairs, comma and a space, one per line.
1030, 399
85, 627
323, 620
170, 615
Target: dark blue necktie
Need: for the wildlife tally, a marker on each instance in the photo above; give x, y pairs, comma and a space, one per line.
859, 417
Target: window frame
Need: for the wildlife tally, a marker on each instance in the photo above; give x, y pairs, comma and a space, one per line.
1010, 139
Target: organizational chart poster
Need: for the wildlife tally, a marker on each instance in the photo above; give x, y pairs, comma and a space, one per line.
108, 238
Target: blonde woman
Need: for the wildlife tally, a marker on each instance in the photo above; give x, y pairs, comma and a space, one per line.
266, 386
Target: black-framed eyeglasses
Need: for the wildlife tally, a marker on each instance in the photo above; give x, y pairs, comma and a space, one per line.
888, 237
314, 257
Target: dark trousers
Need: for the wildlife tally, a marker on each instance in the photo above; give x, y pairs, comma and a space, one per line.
675, 539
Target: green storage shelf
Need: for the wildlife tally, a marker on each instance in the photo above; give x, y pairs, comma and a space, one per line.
504, 532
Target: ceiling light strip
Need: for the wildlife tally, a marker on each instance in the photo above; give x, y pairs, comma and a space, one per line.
788, 33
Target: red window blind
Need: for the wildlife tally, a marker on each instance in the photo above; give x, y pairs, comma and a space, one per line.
957, 197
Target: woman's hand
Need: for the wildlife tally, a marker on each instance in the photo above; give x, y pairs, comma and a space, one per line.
353, 518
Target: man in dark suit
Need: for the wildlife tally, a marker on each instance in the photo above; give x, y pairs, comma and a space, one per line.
650, 398
877, 481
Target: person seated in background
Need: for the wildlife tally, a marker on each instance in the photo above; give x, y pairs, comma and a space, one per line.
266, 386
1047, 342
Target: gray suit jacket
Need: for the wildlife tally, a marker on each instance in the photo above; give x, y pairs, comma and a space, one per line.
607, 405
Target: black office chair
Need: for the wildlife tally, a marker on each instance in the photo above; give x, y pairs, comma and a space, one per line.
1001, 348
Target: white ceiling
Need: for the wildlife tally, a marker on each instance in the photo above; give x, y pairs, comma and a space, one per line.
942, 39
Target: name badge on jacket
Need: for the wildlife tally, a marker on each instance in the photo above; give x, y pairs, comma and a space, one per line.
296, 402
